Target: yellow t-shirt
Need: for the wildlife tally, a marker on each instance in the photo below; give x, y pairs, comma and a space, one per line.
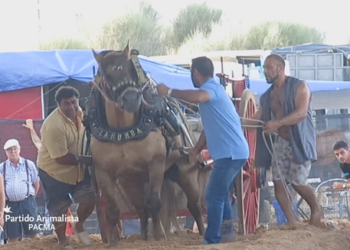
59, 135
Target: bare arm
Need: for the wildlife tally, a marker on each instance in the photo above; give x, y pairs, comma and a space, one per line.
35, 139
34, 177
302, 99
36, 187
193, 96
347, 184
202, 142
67, 159
254, 120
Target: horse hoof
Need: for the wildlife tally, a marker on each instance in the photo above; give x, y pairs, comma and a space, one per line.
84, 238
161, 238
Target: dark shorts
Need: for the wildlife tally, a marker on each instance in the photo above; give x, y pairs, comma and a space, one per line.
24, 215
57, 193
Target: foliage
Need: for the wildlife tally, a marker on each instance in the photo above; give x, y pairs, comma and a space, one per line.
140, 27
194, 18
197, 28
64, 44
222, 37
267, 35
272, 34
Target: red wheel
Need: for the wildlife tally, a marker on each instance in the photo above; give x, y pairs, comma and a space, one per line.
248, 191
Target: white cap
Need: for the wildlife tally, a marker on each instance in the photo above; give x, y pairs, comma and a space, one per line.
11, 143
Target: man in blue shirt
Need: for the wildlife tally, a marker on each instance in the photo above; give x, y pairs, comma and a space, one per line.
223, 136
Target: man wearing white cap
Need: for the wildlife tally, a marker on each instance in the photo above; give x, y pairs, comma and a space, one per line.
21, 181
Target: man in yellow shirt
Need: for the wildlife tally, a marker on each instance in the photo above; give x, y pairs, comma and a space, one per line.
61, 169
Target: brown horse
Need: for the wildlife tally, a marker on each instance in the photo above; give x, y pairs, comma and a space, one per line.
130, 143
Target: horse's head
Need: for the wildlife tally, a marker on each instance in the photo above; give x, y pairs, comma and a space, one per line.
119, 79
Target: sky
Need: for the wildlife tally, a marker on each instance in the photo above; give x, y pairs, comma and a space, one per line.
19, 25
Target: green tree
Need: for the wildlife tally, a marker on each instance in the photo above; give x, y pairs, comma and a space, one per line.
64, 43
267, 35
221, 38
140, 27
272, 34
194, 18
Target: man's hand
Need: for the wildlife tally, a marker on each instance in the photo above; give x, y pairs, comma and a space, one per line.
338, 186
29, 124
192, 155
85, 159
271, 126
162, 90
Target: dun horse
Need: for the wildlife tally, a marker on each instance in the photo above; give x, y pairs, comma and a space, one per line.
133, 131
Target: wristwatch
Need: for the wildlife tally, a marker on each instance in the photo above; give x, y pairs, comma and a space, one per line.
344, 186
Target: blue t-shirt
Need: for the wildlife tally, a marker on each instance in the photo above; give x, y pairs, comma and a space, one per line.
222, 125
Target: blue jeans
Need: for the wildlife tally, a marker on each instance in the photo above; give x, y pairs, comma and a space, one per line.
219, 208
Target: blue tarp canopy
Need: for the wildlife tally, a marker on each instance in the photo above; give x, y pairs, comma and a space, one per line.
312, 48
30, 69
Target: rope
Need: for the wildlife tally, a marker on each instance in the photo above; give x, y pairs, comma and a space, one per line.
273, 154
271, 150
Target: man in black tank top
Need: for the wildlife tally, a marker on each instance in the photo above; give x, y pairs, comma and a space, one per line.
342, 153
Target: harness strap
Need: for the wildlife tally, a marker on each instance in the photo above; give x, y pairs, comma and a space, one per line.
27, 171
140, 73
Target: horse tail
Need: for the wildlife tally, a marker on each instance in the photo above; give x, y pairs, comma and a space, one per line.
169, 208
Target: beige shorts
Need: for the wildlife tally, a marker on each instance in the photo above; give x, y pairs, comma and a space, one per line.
291, 172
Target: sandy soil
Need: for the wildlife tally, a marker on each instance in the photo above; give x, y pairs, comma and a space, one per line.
301, 237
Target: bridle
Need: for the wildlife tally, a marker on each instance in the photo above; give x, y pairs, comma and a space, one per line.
110, 91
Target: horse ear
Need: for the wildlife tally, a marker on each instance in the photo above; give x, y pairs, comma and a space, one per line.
98, 57
126, 51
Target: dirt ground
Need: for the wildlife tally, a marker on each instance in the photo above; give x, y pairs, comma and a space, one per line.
301, 237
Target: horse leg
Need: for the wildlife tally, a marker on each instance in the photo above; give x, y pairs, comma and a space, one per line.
187, 180
106, 184
156, 175
134, 191
144, 215
100, 208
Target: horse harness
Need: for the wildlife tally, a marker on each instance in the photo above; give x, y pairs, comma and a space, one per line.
150, 118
